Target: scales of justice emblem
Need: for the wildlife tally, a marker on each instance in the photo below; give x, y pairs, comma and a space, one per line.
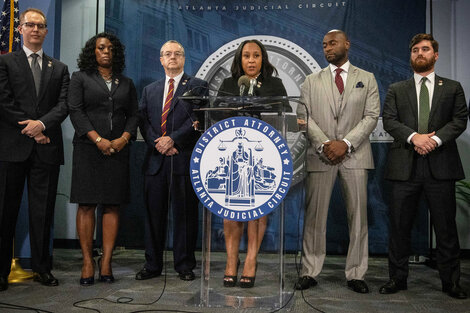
241, 168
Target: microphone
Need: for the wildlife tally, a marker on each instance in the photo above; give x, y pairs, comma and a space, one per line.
191, 92
243, 82
252, 86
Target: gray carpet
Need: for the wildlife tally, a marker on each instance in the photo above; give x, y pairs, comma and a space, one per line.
331, 295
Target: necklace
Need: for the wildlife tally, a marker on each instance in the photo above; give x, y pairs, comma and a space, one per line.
106, 76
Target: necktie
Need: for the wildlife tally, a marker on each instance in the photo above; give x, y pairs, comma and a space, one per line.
36, 72
423, 108
339, 80
166, 107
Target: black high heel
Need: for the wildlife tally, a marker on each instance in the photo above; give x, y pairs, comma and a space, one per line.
105, 278
250, 280
232, 279
88, 281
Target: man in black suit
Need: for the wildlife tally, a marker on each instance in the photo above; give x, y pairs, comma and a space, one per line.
33, 94
166, 124
425, 115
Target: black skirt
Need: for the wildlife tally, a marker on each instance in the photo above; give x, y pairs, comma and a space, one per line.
98, 178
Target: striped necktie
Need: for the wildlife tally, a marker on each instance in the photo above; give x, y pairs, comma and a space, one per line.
166, 107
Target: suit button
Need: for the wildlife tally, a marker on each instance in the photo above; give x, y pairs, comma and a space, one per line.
110, 98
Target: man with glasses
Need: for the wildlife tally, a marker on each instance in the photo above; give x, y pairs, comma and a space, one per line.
166, 124
33, 94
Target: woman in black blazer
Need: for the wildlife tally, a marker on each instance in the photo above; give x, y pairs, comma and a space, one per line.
251, 60
103, 110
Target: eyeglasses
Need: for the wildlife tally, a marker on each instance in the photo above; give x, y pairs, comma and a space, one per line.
32, 25
177, 54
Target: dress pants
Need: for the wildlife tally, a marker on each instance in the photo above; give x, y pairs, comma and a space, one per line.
354, 190
184, 206
404, 203
42, 181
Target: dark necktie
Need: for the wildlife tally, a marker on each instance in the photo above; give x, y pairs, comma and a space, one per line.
339, 80
36, 69
166, 107
423, 108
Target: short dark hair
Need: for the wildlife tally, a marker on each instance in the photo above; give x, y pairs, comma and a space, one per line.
420, 37
22, 15
87, 59
267, 69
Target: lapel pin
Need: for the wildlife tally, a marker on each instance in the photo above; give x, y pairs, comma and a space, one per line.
184, 82
440, 83
116, 81
49, 64
259, 84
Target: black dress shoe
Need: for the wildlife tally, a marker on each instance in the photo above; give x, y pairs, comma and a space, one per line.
393, 286
107, 279
305, 282
47, 279
187, 275
144, 274
454, 291
358, 286
87, 281
3, 283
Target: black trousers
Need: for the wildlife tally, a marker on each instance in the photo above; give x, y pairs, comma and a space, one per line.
440, 199
41, 181
159, 189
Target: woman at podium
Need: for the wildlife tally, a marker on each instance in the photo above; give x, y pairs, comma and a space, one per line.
252, 75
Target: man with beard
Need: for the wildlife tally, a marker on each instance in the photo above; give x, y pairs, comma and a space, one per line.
425, 115
344, 106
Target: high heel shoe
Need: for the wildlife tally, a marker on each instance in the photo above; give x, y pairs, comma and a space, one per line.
88, 281
231, 281
104, 278
250, 280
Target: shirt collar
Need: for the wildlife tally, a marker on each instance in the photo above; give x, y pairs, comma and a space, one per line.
431, 77
29, 52
345, 67
177, 78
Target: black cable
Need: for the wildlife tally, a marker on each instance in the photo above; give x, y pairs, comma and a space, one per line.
4, 305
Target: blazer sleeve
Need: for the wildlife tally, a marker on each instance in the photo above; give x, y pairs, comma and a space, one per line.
78, 116
131, 112
145, 126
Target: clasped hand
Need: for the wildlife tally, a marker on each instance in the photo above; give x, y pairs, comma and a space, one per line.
165, 145
335, 151
109, 147
33, 129
423, 143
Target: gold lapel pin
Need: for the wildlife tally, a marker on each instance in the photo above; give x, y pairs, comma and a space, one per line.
440, 83
258, 85
184, 82
49, 64
116, 81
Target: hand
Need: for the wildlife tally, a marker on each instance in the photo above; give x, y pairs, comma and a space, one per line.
302, 123
42, 139
32, 129
105, 147
424, 143
171, 152
163, 144
196, 125
335, 150
118, 144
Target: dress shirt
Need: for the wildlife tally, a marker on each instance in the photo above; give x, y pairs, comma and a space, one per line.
177, 80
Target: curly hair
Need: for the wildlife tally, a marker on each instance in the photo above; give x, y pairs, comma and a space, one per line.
87, 59
267, 69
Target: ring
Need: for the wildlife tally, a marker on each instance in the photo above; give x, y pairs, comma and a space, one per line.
112, 150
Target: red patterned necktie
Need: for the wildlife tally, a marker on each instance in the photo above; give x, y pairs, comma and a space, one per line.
339, 80
166, 107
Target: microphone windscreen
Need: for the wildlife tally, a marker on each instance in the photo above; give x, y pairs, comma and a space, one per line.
244, 80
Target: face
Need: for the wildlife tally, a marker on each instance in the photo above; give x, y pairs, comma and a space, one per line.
172, 58
104, 52
252, 59
33, 37
335, 48
423, 57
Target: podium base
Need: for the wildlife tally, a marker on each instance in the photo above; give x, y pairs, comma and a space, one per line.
17, 273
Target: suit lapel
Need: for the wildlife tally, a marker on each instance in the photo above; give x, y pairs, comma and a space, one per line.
100, 81
46, 74
182, 86
350, 83
24, 66
327, 85
411, 91
159, 90
438, 89
116, 82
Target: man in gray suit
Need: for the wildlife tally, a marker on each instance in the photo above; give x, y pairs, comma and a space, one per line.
343, 107
424, 114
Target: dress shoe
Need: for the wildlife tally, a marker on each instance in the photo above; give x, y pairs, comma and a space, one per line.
3, 283
454, 291
305, 282
88, 281
229, 280
104, 278
393, 286
358, 286
47, 279
187, 275
248, 281
144, 274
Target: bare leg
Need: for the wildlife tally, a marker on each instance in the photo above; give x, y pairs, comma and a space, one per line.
110, 230
85, 229
233, 231
256, 231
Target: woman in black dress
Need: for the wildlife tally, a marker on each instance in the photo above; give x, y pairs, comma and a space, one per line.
103, 110
251, 59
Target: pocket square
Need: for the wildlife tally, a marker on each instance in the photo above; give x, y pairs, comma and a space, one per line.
359, 85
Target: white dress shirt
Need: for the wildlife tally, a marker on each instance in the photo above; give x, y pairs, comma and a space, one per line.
167, 85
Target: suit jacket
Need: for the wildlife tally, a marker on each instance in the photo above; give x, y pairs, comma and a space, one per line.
354, 121
94, 107
18, 102
179, 123
448, 118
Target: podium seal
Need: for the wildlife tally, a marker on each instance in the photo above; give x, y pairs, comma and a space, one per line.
241, 168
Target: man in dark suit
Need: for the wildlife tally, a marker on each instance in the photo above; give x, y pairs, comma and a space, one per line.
166, 124
425, 115
33, 94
